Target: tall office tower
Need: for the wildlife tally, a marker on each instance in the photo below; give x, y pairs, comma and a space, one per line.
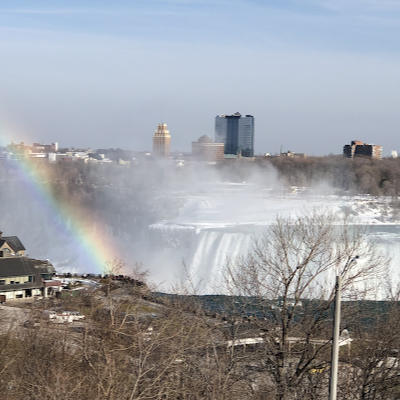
237, 132
162, 141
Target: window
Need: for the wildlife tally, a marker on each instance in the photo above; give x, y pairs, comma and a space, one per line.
47, 277
31, 278
2, 281
11, 282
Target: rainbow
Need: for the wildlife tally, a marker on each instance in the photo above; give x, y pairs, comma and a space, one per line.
81, 226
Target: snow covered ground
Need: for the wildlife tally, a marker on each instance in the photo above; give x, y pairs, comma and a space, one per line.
372, 210
86, 283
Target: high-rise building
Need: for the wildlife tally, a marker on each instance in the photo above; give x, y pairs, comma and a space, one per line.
236, 132
207, 150
162, 141
358, 148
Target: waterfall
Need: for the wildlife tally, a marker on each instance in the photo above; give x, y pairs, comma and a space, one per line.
210, 252
208, 230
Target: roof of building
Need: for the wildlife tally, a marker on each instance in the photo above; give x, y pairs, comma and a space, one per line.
19, 266
205, 139
14, 243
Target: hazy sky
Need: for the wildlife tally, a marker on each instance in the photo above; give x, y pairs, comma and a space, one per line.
315, 74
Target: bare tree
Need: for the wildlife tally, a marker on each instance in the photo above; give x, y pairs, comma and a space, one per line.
288, 281
372, 365
112, 268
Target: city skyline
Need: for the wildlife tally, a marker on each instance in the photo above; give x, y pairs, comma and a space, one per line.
314, 73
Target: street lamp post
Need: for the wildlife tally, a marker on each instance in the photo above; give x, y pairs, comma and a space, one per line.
336, 333
335, 341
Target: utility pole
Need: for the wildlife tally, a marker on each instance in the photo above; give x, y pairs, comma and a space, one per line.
336, 332
335, 341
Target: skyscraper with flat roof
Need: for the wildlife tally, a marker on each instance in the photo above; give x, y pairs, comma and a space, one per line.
236, 132
162, 141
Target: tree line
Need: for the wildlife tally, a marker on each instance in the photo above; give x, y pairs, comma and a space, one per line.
360, 175
130, 199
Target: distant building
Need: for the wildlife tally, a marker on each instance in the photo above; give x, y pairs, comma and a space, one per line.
394, 154
358, 148
117, 154
56, 157
18, 151
236, 132
293, 155
207, 150
162, 141
44, 148
24, 152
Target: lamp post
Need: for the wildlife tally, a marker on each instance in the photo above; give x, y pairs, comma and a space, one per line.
336, 333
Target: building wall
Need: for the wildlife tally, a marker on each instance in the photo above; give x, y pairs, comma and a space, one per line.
293, 155
17, 280
236, 132
208, 151
348, 151
220, 129
358, 148
162, 141
6, 251
246, 136
11, 295
23, 274
55, 157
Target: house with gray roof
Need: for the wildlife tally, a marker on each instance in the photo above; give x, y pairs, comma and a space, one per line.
11, 246
21, 276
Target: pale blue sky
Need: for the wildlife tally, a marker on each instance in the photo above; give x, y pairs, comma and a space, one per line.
316, 74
